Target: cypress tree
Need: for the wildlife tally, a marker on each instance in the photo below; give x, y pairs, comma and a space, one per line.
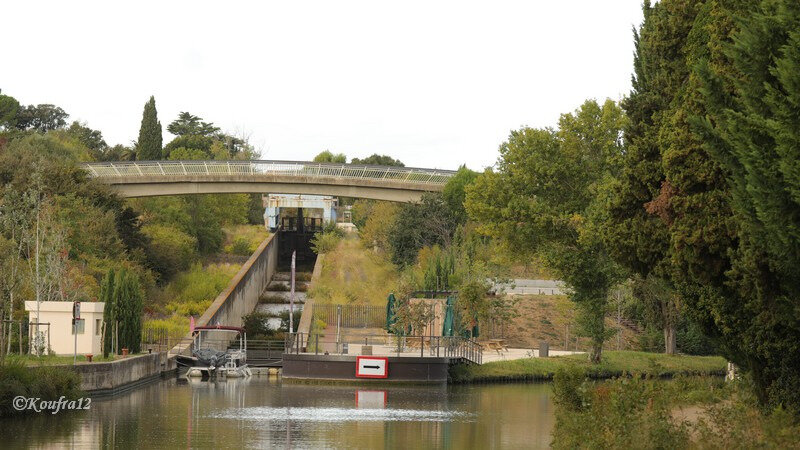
635, 231
109, 316
751, 91
148, 147
128, 299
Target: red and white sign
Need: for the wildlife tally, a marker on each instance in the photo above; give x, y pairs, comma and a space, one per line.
372, 367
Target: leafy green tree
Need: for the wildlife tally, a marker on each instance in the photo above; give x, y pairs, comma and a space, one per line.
378, 160
170, 250
381, 219
9, 109
186, 154
41, 118
118, 152
438, 268
419, 225
328, 157
93, 139
454, 192
194, 142
148, 146
188, 124
543, 200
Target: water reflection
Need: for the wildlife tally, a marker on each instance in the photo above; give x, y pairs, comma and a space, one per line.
260, 413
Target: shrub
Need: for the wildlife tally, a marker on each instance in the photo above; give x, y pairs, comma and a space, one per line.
241, 246
170, 250
567, 389
622, 413
46, 382
331, 228
255, 324
175, 327
192, 292
323, 243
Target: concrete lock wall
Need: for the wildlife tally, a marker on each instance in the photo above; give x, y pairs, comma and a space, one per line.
241, 295
100, 378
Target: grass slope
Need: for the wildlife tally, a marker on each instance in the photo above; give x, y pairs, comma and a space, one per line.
353, 274
615, 363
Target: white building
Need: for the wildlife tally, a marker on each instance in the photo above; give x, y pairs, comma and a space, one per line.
61, 337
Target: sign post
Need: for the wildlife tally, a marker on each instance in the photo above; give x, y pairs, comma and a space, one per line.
76, 316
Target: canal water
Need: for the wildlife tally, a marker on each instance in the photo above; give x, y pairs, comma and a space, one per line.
262, 413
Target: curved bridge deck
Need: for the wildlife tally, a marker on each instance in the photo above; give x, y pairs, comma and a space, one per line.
154, 178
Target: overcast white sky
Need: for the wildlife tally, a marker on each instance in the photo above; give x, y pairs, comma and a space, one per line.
433, 83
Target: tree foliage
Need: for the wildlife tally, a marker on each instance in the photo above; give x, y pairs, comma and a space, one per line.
542, 199
148, 146
9, 108
122, 313
454, 192
748, 294
41, 118
188, 124
378, 160
419, 225
328, 157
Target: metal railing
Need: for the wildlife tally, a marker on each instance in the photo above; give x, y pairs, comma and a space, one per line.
110, 170
351, 316
455, 347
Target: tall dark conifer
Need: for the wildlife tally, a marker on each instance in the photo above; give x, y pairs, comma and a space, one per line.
751, 92
109, 312
148, 147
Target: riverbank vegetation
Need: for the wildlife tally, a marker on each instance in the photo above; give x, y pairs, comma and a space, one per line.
42, 382
686, 412
613, 364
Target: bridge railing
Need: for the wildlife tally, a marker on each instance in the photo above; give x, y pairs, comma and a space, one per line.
291, 168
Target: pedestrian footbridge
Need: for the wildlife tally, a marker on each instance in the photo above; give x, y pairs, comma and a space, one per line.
155, 178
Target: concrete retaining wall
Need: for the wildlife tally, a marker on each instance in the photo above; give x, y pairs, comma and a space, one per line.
106, 378
241, 295
343, 368
304, 327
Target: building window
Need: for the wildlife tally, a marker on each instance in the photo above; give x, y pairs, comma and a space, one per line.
80, 324
97, 326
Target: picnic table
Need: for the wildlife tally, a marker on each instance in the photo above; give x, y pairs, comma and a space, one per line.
498, 345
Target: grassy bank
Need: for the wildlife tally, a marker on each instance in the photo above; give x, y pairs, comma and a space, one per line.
45, 383
615, 363
353, 274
